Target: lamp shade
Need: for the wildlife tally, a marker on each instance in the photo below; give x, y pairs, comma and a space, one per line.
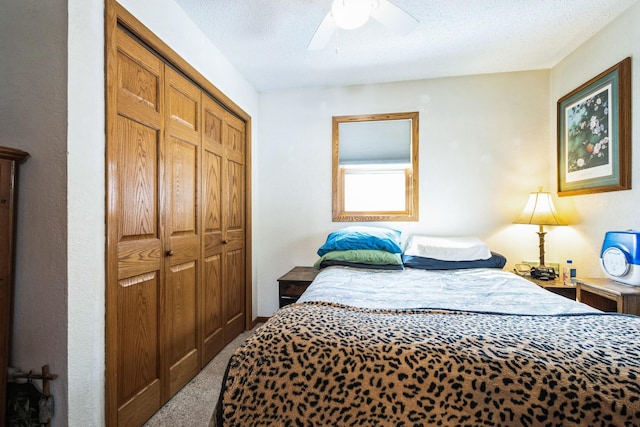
539, 210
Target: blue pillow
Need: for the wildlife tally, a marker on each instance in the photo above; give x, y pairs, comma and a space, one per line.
362, 237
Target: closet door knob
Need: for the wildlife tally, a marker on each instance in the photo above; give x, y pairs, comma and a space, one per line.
169, 252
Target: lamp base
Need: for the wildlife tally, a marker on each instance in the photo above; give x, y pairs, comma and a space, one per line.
541, 234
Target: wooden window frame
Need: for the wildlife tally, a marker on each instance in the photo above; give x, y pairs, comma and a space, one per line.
411, 174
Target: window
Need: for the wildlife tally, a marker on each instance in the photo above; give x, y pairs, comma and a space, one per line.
375, 167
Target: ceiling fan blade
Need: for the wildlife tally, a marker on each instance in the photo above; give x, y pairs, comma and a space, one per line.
323, 34
396, 19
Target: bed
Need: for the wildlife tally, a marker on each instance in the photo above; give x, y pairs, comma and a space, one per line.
415, 347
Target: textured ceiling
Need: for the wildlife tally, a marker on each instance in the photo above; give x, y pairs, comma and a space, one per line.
266, 40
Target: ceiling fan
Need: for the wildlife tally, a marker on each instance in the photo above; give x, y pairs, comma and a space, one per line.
351, 14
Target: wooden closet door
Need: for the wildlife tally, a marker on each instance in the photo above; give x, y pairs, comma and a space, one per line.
135, 296
182, 247
177, 274
234, 226
212, 247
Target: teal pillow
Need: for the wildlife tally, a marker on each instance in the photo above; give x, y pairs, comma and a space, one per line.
362, 237
361, 256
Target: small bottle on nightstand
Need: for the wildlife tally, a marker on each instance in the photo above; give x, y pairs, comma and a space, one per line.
569, 273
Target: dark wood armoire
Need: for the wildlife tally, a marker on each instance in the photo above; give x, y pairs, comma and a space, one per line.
9, 160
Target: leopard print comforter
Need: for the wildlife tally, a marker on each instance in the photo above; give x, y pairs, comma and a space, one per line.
322, 364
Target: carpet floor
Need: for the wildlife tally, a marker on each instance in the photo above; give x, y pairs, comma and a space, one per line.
193, 405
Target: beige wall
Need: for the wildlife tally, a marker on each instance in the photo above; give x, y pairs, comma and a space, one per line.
484, 144
597, 213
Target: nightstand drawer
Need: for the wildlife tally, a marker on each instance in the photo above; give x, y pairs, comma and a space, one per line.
607, 295
565, 291
293, 288
556, 286
294, 283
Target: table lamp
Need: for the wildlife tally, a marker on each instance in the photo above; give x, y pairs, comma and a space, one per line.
540, 211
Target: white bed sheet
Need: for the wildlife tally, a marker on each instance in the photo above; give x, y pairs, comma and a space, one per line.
480, 290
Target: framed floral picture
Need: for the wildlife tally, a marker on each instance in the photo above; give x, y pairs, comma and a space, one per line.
594, 134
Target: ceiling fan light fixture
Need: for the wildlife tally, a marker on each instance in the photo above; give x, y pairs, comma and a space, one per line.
351, 14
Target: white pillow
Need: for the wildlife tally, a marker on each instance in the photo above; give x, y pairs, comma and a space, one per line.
448, 248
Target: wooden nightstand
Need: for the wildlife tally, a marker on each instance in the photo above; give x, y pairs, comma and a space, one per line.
607, 295
556, 286
294, 283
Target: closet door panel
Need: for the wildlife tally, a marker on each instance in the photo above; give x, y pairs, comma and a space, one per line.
235, 137
181, 324
213, 340
234, 179
138, 181
235, 200
139, 76
183, 107
183, 192
134, 334
234, 226
213, 246
212, 191
183, 237
234, 303
212, 169
138, 154
138, 293
138, 368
